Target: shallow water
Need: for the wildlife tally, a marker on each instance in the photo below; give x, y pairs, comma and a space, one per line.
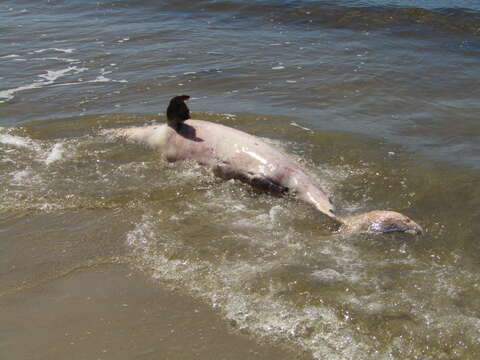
379, 101
120, 314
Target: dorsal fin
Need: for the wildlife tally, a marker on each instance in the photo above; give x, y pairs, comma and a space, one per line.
177, 110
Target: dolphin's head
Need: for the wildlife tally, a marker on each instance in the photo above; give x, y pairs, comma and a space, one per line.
381, 221
177, 111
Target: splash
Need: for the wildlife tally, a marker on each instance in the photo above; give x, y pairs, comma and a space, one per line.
19, 142
55, 154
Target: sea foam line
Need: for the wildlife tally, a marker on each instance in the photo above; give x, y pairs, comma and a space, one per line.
55, 153
10, 56
48, 78
67, 51
18, 141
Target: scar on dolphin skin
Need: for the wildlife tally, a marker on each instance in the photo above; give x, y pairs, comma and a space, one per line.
234, 154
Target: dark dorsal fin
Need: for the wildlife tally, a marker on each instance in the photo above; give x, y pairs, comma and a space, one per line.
177, 111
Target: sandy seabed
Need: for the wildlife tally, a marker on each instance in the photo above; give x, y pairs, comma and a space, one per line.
112, 312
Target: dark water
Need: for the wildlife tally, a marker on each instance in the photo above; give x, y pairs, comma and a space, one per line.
380, 99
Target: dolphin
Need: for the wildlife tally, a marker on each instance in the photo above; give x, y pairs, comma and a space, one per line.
234, 154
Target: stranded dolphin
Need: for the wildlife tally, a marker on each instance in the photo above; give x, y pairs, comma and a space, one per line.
233, 154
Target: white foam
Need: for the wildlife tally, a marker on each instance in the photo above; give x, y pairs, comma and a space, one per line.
328, 275
8, 94
55, 154
56, 58
18, 141
229, 116
225, 285
51, 76
19, 177
48, 78
299, 126
101, 78
67, 51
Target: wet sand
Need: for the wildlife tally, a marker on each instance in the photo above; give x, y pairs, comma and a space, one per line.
112, 312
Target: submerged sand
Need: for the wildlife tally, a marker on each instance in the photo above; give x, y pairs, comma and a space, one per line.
112, 312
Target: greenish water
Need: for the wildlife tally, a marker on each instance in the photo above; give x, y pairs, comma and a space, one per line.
269, 264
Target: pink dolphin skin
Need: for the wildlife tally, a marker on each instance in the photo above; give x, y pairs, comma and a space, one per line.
232, 153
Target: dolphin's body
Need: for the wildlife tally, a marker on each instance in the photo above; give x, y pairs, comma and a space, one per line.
235, 154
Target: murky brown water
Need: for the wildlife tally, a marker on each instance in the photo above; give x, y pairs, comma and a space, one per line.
382, 109
269, 265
